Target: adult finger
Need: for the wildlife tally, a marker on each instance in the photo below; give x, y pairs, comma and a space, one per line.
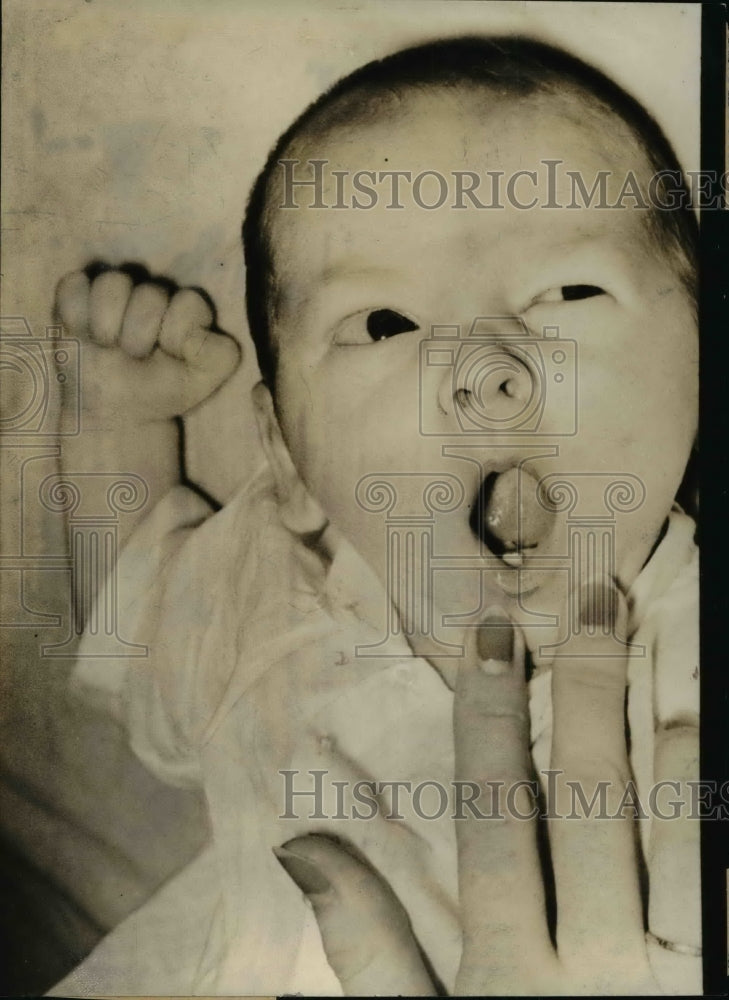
364, 928
593, 841
505, 937
674, 860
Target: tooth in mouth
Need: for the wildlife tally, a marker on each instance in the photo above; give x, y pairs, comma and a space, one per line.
507, 515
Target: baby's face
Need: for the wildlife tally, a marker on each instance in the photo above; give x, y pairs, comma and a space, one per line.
353, 406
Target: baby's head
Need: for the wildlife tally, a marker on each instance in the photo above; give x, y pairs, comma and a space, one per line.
357, 292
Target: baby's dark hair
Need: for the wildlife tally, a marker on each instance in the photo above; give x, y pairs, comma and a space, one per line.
509, 66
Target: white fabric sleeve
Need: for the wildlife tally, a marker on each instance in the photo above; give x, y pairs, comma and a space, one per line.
141, 574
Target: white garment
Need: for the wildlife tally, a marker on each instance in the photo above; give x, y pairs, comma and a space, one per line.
251, 672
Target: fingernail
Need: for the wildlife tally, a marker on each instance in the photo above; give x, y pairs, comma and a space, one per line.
304, 872
598, 605
495, 642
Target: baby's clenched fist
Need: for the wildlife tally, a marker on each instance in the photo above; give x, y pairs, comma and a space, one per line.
149, 351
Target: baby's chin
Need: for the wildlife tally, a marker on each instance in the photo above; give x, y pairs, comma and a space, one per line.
542, 602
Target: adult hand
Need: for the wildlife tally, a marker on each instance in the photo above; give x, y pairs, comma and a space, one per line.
599, 946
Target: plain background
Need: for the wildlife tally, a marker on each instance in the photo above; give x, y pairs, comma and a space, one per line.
133, 130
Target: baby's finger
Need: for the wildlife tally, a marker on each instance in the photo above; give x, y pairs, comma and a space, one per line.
143, 319
72, 303
209, 356
595, 863
108, 300
500, 880
674, 861
185, 325
365, 931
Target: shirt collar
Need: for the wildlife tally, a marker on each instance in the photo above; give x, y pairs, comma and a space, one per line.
675, 550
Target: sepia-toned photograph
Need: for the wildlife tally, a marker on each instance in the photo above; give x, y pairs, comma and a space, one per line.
349, 563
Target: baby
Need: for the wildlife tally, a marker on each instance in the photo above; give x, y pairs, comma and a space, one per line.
471, 296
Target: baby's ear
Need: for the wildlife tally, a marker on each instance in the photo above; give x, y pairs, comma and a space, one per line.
299, 512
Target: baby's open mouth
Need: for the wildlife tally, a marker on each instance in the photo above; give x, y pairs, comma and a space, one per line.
507, 515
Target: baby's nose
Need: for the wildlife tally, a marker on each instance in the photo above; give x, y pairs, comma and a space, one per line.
491, 386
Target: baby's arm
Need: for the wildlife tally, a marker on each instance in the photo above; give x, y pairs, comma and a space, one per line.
148, 355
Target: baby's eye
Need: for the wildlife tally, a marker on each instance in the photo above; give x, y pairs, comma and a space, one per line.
384, 323
378, 324
570, 293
